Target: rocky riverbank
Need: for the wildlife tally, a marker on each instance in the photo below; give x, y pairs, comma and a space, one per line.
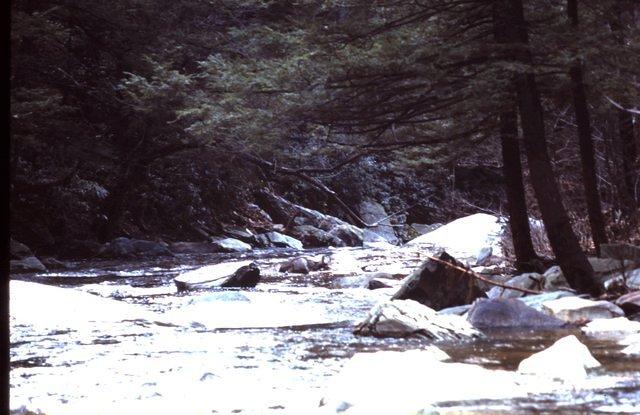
364, 316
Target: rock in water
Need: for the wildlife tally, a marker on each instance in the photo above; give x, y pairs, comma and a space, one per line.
579, 310
304, 265
509, 313
134, 248
530, 281
405, 318
229, 274
27, 264
231, 245
465, 237
566, 359
630, 302
439, 286
621, 252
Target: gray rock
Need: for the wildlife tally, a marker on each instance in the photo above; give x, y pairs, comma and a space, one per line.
576, 310
52, 263
629, 302
620, 251
372, 212
509, 313
231, 245
283, 241
484, 256
28, 264
305, 265
554, 279
134, 248
611, 328
567, 359
286, 212
19, 250
457, 310
351, 235
530, 280
421, 228
370, 239
405, 318
536, 301
439, 286
229, 274
313, 237
243, 234
193, 248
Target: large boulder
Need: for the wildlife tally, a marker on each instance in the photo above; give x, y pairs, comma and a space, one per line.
576, 310
530, 281
567, 359
406, 318
629, 302
304, 265
134, 248
536, 301
437, 285
27, 264
193, 248
500, 313
285, 212
231, 245
278, 240
621, 252
313, 237
464, 238
228, 274
372, 212
611, 328
19, 250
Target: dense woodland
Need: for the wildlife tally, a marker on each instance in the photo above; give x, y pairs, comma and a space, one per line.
163, 119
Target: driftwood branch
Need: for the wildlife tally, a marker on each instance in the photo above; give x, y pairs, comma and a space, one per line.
274, 168
483, 279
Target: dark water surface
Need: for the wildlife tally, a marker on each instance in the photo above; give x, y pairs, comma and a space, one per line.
271, 349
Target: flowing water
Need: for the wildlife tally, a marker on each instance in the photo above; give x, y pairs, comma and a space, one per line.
270, 349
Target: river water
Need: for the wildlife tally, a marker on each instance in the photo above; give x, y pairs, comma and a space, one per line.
119, 339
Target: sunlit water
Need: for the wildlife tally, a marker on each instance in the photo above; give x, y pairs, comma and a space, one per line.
271, 349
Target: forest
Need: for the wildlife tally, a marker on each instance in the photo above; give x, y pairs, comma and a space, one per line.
146, 130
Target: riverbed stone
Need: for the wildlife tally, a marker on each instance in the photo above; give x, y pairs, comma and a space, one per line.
372, 212
313, 237
530, 281
567, 359
27, 264
229, 274
192, 247
611, 328
466, 236
279, 240
125, 248
576, 310
18, 250
509, 313
304, 265
285, 212
536, 301
408, 318
437, 285
621, 251
231, 245
629, 302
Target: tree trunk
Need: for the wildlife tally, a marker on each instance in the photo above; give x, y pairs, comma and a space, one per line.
572, 260
587, 154
526, 257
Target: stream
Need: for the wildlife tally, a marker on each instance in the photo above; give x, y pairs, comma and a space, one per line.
143, 348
